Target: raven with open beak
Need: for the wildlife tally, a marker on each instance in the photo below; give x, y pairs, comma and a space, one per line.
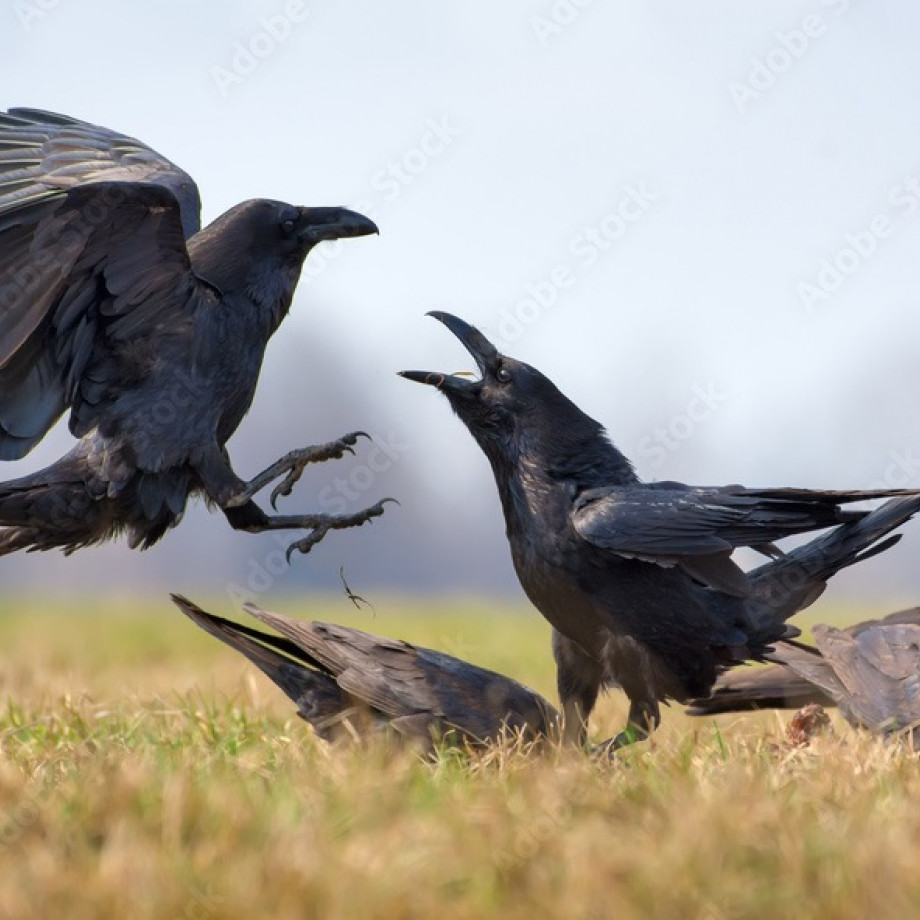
637, 578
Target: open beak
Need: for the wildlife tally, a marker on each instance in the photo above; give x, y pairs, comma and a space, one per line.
484, 353
318, 224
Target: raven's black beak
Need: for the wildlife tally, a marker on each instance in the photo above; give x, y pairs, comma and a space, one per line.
485, 354
317, 224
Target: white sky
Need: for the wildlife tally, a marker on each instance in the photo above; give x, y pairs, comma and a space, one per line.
752, 148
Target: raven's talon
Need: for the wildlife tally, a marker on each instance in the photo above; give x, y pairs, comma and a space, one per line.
321, 525
298, 462
286, 486
306, 544
607, 750
292, 466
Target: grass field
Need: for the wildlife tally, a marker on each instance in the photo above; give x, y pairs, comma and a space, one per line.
148, 772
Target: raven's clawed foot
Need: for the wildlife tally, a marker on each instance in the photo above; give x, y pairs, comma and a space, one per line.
320, 524
296, 461
607, 749
643, 719
292, 465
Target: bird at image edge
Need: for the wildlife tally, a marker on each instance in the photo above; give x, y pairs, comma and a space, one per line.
637, 578
114, 304
870, 670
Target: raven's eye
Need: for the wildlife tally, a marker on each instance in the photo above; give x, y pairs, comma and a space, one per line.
288, 227
503, 375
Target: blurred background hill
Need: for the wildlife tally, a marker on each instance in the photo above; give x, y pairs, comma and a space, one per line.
704, 228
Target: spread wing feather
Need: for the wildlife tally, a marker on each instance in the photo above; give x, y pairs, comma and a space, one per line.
80, 276
43, 154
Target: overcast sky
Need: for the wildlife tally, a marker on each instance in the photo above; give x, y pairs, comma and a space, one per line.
701, 221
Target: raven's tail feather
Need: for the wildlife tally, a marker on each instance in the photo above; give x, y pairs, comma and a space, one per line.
319, 698
50, 509
799, 675
66, 506
782, 587
775, 686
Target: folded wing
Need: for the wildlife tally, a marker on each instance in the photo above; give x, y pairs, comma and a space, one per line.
697, 528
332, 672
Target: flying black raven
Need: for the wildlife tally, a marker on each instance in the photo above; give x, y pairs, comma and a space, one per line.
637, 578
337, 676
151, 331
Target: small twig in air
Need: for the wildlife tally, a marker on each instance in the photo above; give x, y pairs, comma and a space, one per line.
356, 599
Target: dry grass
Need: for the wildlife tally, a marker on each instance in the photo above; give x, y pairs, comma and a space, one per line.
145, 772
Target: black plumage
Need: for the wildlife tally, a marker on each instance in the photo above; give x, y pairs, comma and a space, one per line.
116, 306
338, 675
637, 578
871, 671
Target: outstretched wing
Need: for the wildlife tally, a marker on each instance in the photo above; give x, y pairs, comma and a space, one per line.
43, 155
698, 528
84, 278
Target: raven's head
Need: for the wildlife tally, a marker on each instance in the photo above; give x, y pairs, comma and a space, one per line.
513, 409
309, 226
259, 247
289, 232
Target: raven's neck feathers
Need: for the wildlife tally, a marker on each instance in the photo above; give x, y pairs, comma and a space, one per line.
551, 468
223, 255
572, 446
271, 288
572, 449
585, 455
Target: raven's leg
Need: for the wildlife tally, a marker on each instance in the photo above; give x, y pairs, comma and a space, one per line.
223, 487
293, 464
251, 518
578, 679
644, 716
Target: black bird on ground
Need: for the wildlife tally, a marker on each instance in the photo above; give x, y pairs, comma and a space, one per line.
151, 331
637, 578
871, 671
342, 678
